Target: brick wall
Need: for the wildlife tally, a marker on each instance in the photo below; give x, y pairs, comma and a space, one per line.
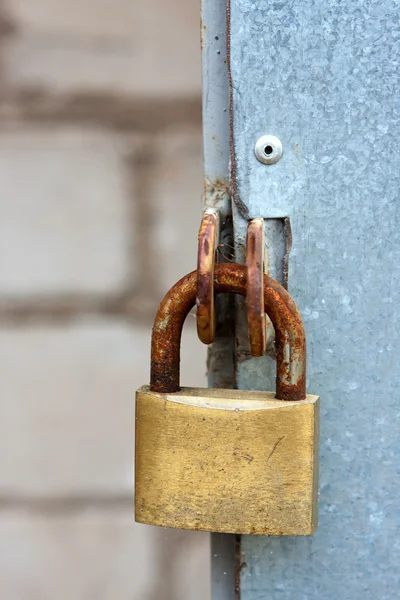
101, 179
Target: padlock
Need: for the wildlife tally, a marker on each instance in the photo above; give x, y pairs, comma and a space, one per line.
227, 460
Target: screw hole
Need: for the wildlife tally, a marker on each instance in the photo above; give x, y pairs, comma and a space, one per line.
268, 150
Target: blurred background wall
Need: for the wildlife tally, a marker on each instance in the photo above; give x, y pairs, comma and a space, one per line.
100, 186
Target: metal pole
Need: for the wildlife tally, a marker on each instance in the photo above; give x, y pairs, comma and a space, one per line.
216, 171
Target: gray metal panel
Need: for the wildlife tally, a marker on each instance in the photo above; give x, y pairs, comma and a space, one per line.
216, 173
215, 105
215, 89
324, 77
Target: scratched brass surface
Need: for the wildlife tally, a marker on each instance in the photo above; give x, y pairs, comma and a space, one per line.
227, 460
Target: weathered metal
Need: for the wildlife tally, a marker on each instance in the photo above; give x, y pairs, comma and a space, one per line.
230, 278
226, 460
207, 244
230, 461
217, 193
215, 107
324, 77
255, 287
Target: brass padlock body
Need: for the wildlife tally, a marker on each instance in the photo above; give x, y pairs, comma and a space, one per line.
227, 460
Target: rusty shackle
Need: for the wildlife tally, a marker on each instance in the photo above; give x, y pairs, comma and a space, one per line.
290, 338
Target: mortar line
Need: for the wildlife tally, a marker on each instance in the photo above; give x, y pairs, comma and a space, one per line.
66, 505
107, 110
62, 308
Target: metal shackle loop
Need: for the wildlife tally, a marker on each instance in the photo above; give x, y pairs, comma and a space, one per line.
290, 338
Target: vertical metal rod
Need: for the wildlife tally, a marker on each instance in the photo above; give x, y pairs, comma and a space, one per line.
216, 173
229, 346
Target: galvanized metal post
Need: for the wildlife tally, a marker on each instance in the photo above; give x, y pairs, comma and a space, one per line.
324, 78
216, 170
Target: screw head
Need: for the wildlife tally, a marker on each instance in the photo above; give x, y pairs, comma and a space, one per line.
268, 149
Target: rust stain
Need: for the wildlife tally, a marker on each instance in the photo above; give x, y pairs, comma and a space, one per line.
255, 288
230, 278
217, 195
217, 186
205, 317
203, 28
288, 243
240, 563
